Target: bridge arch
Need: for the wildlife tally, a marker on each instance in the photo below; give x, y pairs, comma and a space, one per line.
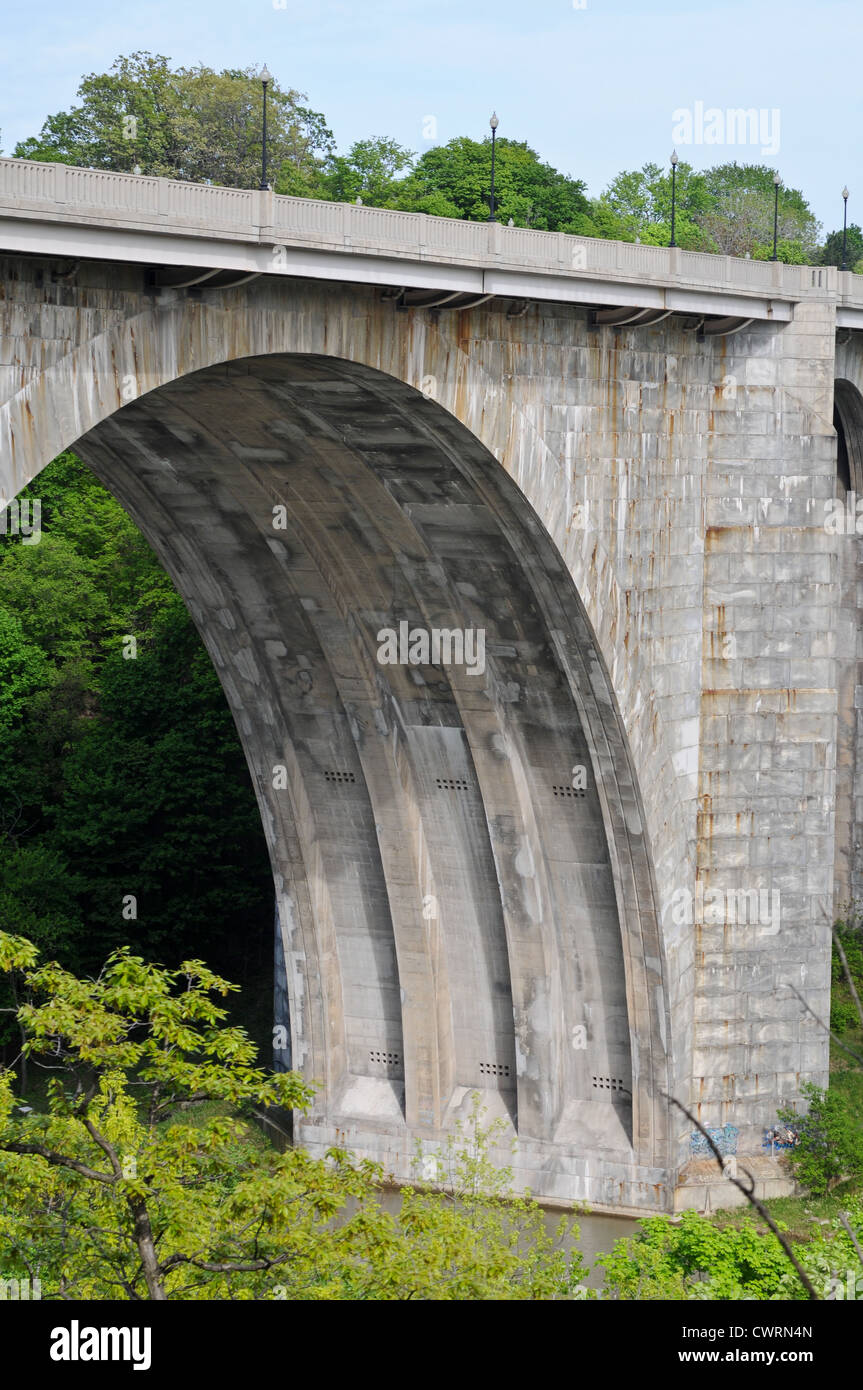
429, 951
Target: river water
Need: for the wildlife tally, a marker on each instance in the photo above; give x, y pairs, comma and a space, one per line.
597, 1231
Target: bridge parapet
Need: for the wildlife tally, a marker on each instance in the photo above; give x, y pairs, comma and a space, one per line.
259, 232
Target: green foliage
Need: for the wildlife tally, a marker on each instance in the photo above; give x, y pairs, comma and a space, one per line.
831, 253
790, 252
370, 170
830, 1148
97, 133
50, 589
112, 1192
454, 180
727, 209
638, 203
23, 670
189, 123
471, 1236
156, 803
35, 900
694, 1259
843, 1011
738, 218
718, 1259
121, 777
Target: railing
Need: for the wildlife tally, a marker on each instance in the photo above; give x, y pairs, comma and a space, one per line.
850, 290
98, 196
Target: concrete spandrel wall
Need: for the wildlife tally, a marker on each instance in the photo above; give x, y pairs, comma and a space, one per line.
682, 483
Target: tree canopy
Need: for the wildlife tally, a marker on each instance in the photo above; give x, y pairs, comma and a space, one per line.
206, 126
454, 180
189, 123
831, 252
143, 1176
121, 776
728, 209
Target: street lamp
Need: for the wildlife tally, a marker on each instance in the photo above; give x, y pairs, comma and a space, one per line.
845, 227
674, 163
776, 183
266, 79
494, 123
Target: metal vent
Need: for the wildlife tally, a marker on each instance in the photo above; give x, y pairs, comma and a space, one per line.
331, 776
379, 1058
608, 1083
494, 1069
452, 784
567, 791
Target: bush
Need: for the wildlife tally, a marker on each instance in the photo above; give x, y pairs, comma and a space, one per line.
830, 1146
695, 1259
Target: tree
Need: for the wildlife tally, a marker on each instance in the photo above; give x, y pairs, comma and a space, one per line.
123, 778
190, 123
739, 217
829, 1149
25, 675
114, 1191
637, 203
454, 180
370, 170
50, 588
831, 253
726, 209
23, 671
156, 806
126, 116
843, 1009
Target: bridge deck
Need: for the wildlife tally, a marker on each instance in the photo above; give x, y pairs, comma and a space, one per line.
58, 210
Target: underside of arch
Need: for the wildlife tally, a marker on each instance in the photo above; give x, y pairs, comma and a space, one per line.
848, 423
458, 911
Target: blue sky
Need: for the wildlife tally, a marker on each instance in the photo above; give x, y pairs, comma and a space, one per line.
591, 84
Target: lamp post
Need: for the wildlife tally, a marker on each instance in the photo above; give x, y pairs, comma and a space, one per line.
266, 79
776, 182
674, 163
845, 227
494, 123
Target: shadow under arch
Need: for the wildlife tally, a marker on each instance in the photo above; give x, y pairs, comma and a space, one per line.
455, 914
848, 423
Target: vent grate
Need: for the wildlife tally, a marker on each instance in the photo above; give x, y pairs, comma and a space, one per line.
452, 784
568, 791
331, 776
379, 1058
494, 1069
608, 1083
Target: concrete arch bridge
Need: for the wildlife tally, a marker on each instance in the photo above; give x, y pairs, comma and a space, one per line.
575, 855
